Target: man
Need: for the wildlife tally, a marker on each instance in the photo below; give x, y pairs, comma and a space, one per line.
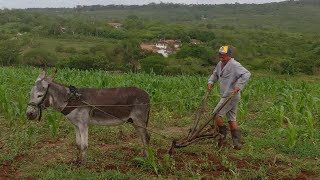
232, 77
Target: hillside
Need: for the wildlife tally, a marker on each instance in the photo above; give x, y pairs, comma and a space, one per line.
277, 37
289, 16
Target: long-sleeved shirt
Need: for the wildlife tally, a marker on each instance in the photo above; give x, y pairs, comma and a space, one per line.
233, 74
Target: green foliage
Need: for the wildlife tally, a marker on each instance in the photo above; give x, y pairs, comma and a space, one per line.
82, 62
114, 33
39, 58
287, 67
204, 36
133, 22
9, 52
53, 124
266, 101
310, 122
253, 30
291, 134
150, 162
195, 51
153, 64
168, 164
131, 52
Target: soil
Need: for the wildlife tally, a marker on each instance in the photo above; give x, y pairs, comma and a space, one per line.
64, 151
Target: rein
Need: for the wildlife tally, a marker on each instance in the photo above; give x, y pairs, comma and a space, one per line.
74, 94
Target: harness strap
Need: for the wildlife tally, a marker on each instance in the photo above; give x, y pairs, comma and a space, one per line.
73, 94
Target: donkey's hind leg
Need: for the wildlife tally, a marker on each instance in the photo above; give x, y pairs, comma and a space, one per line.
141, 130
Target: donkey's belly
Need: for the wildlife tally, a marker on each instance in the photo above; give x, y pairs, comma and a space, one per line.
107, 121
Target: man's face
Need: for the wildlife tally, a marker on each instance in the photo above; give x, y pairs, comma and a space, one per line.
224, 58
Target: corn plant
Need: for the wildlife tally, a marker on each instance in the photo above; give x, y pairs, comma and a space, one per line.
310, 122
150, 162
168, 164
281, 116
291, 134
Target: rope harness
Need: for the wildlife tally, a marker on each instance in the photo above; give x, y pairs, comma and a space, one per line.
74, 94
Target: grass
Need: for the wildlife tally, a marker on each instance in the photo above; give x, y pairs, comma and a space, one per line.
278, 116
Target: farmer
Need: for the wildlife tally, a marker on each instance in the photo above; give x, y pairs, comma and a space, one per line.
232, 77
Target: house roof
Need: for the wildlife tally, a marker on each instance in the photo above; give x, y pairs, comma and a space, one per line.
148, 47
169, 41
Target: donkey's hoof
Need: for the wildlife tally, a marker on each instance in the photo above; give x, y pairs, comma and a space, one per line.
78, 162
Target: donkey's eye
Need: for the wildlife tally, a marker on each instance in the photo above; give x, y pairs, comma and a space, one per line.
39, 96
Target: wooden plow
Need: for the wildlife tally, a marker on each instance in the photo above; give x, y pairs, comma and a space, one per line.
203, 130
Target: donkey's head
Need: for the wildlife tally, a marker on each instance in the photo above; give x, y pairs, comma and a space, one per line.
38, 95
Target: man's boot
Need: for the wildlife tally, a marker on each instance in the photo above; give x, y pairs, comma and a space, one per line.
223, 133
236, 138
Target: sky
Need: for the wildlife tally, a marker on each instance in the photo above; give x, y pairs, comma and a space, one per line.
21, 4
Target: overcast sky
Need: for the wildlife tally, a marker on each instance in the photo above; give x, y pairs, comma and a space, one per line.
72, 3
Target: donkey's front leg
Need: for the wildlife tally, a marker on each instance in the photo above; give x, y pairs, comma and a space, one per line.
78, 142
82, 142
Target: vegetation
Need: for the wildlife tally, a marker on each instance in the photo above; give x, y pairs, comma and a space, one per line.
268, 37
278, 114
279, 119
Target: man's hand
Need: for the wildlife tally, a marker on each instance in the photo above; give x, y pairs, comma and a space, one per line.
236, 89
210, 86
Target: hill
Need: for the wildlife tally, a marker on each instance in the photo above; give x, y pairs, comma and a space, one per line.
280, 37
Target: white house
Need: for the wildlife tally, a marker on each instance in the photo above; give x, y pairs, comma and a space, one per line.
164, 47
163, 52
161, 44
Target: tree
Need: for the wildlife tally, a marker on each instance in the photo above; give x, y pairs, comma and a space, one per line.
197, 51
131, 52
39, 58
9, 52
155, 64
133, 22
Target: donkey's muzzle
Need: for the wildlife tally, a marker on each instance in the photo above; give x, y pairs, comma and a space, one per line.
31, 113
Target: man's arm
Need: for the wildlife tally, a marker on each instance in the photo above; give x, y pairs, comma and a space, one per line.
243, 76
213, 78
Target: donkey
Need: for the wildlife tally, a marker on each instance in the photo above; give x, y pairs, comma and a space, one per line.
108, 106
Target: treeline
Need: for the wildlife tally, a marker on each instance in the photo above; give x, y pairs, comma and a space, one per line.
124, 56
288, 15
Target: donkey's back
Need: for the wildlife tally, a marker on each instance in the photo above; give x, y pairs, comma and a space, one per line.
115, 96
114, 103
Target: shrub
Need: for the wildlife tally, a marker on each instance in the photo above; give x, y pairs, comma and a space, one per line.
195, 51
154, 64
39, 58
85, 62
9, 52
287, 67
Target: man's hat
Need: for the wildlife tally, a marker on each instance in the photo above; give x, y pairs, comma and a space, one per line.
225, 50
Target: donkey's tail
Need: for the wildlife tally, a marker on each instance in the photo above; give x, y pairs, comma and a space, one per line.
148, 116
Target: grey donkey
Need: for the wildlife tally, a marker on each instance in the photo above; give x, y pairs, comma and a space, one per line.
84, 106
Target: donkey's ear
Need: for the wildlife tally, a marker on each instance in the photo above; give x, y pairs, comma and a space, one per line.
42, 75
51, 77
45, 84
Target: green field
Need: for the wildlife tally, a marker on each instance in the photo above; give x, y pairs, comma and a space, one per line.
278, 117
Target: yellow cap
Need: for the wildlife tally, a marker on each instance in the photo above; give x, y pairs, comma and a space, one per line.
225, 50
